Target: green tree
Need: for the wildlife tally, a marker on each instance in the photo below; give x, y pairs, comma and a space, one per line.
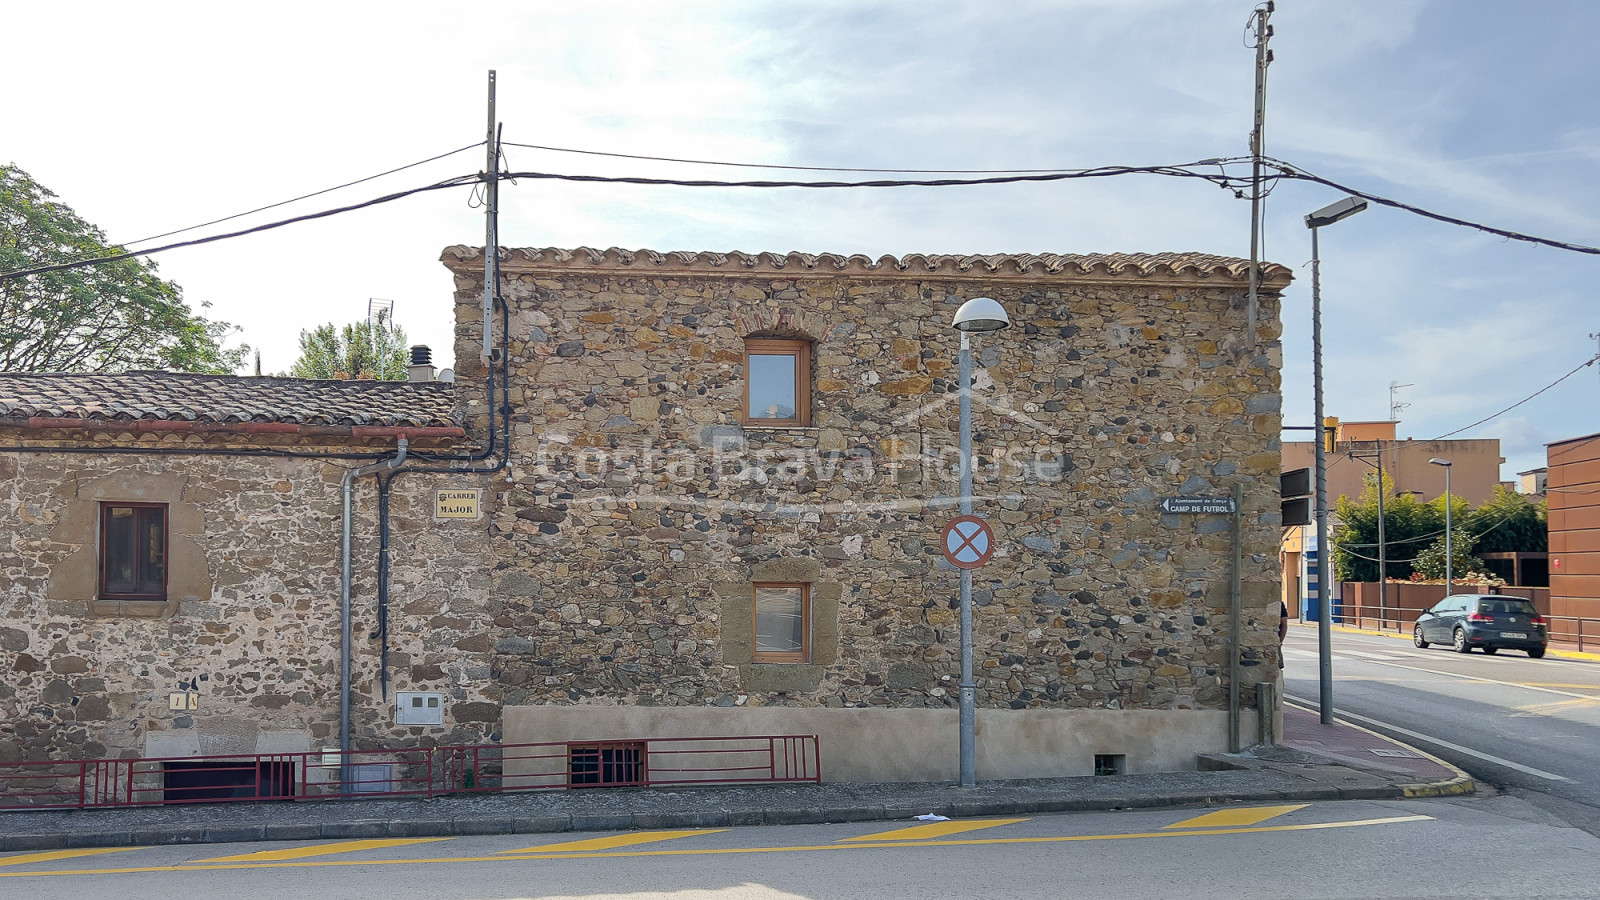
1430, 562
1510, 523
110, 317
364, 350
1409, 525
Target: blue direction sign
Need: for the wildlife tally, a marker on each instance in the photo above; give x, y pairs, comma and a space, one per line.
967, 542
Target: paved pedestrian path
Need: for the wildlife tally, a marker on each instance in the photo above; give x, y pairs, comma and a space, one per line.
1314, 762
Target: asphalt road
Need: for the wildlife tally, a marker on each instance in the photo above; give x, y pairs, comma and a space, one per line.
1338, 851
1526, 726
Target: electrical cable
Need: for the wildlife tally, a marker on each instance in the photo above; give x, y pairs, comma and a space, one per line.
339, 187
1230, 182
1585, 363
1288, 171
748, 165
387, 198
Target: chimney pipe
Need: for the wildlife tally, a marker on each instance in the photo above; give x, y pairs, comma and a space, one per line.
421, 367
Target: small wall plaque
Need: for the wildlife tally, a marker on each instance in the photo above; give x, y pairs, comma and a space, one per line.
457, 503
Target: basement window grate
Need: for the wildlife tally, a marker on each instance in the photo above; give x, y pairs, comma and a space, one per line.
1110, 764
610, 763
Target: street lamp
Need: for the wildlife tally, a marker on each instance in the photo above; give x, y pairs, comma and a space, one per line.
1327, 215
980, 315
1449, 588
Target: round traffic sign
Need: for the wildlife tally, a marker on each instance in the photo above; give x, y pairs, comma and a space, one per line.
967, 542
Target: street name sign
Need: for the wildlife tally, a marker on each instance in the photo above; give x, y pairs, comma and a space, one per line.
1183, 505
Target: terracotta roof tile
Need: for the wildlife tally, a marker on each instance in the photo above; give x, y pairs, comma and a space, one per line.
223, 399
1152, 266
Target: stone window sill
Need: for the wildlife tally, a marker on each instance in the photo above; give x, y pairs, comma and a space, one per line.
139, 609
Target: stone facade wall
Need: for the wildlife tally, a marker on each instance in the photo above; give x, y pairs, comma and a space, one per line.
252, 620
639, 510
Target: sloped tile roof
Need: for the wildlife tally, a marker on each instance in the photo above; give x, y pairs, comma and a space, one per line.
225, 399
1152, 266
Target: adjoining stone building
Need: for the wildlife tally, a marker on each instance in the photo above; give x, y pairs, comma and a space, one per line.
720, 513
172, 535
729, 473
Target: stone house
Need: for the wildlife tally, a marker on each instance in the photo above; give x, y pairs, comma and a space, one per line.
718, 515
728, 474
171, 535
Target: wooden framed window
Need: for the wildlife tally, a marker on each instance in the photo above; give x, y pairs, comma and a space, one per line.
133, 551
782, 623
777, 382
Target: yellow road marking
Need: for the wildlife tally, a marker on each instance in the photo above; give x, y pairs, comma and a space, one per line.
933, 830
1557, 684
1540, 709
1228, 818
323, 850
966, 842
621, 840
50, 855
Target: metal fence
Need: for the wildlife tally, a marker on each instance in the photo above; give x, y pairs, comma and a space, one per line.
427, 772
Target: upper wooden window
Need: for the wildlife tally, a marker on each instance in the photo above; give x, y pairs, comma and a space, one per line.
782, 623
133, 551
777, 382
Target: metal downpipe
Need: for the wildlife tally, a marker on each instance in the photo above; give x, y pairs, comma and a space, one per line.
347, 489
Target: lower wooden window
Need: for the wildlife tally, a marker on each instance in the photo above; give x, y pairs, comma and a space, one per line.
133, 551
782, 623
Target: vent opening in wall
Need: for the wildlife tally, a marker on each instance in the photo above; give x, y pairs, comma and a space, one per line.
612, 762
418, 708
1110, 764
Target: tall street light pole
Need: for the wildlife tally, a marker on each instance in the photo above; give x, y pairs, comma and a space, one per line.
1449, 558
1327, 215
980, 315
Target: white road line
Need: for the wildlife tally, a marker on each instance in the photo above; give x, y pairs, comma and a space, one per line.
1429, 739
1460, 675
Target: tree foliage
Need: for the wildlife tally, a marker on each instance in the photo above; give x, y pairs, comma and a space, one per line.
375, 349
110, 317
1414, 533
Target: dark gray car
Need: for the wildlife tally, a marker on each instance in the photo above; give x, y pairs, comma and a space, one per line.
1490, 621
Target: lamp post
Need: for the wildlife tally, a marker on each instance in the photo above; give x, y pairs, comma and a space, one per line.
980, 315
1449, 557
1327, 215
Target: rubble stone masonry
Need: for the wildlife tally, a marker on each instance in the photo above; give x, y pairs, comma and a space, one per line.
640, 508
251, 623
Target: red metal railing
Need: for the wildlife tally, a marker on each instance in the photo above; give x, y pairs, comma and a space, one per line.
332, 775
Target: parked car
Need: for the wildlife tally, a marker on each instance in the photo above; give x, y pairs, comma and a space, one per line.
1490, 621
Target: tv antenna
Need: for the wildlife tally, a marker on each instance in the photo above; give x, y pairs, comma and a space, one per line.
1396, 406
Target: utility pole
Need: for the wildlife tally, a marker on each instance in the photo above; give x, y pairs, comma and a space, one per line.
491, 239
1257, 146
1383, 561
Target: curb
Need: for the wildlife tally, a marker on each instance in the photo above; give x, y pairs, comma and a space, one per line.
1461, 784
711, 818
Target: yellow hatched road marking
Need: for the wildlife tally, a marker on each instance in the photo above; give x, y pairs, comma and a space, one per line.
620, 840
51, 855
1234, 818
933, 830
921, 845
322, 850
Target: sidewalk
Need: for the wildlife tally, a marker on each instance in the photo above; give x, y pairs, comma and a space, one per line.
1315, 762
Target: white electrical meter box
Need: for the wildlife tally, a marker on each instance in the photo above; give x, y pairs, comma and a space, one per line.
418, 708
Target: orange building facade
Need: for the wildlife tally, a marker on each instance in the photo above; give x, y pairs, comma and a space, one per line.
1573, 490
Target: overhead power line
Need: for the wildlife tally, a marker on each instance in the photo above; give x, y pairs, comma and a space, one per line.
751, 165
1287, 171
59, 267
337, 187
1182, 171
1588, 362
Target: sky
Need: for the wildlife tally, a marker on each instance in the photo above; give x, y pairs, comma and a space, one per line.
157, 116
